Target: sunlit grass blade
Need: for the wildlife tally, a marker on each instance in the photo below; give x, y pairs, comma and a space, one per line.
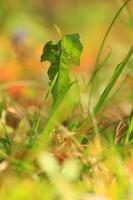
96, 130
100, 66
126, 11
97, 65
108, 31
37, 116
116, 92
51, 87
53, 117
130, 128
118, 70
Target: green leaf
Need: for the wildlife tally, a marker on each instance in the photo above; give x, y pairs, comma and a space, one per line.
62, 55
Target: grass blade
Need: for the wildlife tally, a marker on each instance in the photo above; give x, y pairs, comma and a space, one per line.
109, 29
118, 70
100, 66
53, 117
105, 38
130, 128
51, 86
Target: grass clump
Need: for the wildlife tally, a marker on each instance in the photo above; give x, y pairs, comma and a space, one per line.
64, 152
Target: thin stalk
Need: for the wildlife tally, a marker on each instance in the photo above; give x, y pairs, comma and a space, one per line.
97, 65
108, 31
117, 72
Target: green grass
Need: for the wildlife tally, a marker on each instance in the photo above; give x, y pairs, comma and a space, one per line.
59, 150
97, 64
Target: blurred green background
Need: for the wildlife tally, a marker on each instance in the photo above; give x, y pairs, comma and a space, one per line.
27, 25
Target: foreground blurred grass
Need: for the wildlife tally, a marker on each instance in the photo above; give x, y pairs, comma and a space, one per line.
66, 169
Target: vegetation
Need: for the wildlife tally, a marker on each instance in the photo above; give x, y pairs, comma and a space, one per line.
72, 140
